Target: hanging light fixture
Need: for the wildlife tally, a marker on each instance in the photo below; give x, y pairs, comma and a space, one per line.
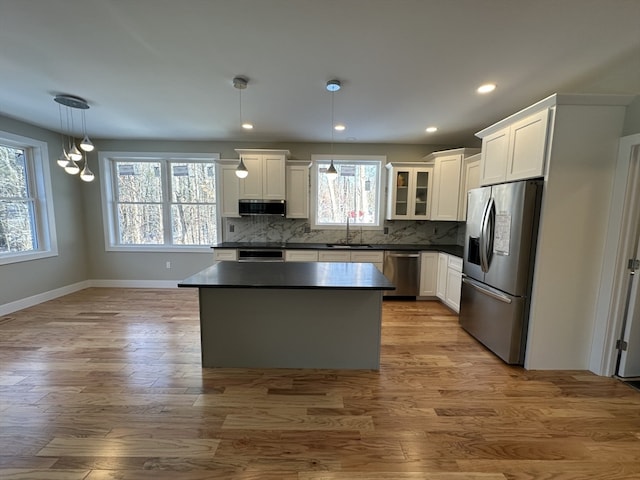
240, 83
332, 86
71, 154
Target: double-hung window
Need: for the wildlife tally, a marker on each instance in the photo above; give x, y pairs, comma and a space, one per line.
354, 194
159, 201
27, 226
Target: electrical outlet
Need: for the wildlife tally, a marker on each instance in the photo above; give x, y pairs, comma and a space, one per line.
168, 264
386, 230
232, 227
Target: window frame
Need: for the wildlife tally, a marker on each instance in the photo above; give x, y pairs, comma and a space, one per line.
107, 161
38, 177
380, 160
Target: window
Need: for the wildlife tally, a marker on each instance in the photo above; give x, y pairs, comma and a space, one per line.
159, 201
27, 226
354, 194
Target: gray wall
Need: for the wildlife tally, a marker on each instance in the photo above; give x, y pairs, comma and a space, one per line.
25, 279
632, 119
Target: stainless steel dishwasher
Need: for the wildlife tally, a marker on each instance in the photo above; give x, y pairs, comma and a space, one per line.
403, 269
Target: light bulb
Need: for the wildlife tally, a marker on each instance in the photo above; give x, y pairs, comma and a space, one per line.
63, 159
247, 126
86, 174
86, 144
241, 171
75, 154
72, 167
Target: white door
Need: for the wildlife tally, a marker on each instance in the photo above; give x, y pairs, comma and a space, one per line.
630, 358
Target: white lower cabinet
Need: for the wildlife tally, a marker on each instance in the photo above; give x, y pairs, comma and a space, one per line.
441, 284
454, 283
377, 258
449, 282
301, 255
334, 256
428, 274
222, 254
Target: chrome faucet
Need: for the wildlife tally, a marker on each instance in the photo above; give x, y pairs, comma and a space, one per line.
347, 239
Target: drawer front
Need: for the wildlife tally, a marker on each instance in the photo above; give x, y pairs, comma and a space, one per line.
225, 254
334, 256
455, 263
301, 256
367, 257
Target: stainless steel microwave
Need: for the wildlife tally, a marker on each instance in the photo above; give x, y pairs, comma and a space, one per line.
262, 207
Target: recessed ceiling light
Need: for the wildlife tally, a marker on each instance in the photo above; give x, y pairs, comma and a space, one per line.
486, 88
431, 129
339, 128
247, 126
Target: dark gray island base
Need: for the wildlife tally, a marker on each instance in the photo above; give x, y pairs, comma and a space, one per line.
290, 315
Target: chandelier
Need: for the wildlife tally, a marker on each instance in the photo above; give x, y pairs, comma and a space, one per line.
72, 155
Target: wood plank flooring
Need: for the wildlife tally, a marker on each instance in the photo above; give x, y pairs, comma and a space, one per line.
107, 384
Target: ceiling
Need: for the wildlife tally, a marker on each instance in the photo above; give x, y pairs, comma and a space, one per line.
163, 69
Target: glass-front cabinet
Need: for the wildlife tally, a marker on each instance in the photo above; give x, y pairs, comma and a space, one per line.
408, 192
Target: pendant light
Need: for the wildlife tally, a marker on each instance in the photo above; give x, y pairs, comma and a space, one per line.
240, 83
72, 154
332, 87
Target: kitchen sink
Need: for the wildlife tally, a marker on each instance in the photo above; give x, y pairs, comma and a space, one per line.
348, 245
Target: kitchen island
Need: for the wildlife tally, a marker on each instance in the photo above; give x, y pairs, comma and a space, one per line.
290, 315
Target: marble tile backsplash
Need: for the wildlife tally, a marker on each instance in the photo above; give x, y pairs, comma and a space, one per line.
277, 229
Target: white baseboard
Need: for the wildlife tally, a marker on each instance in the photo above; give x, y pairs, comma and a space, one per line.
134, 283
23, 303
11, 307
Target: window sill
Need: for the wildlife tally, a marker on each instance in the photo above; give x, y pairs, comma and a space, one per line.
9, 258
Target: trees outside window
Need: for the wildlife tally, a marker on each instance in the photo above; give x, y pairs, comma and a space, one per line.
354, 193
27, 228
156, 200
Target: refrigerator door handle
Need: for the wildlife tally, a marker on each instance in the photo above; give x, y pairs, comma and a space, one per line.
486, 229
487, 290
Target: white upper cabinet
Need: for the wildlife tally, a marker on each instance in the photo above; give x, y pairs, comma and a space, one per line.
298, 191
515, 151
228, 188
470, 180
266, 178
448, 170
408, 191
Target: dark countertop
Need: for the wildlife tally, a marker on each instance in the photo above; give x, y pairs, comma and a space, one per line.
301, 275
456, 250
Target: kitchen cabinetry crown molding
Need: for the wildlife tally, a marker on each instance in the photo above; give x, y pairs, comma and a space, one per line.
465, 152
254, 151
555, 100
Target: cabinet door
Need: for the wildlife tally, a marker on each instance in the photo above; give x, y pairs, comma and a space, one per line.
420, 196
454, 286
273, 177
377, 258
399, 188
300, 255
446, 188
428, 274
471, 181
228, 189
441, 285
220, 255
334, 256
297, 191
493, 161
527, 147
251, 186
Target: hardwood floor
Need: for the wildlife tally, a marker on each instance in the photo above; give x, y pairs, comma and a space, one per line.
107, 384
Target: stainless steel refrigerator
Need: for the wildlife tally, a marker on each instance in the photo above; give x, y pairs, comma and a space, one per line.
499, 255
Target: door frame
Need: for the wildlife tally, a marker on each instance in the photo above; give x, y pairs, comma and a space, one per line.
619, 247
